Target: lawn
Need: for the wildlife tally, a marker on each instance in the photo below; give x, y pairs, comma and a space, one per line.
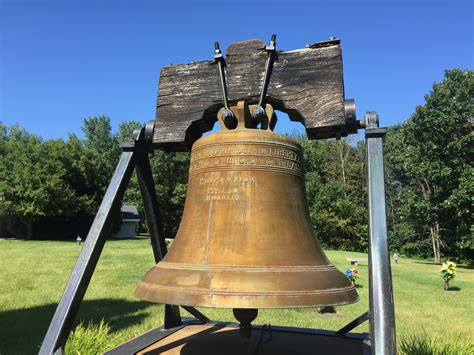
33, 275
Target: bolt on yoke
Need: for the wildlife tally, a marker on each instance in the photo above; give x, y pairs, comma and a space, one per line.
242, 113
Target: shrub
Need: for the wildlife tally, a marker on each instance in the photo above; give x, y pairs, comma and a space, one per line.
447, 272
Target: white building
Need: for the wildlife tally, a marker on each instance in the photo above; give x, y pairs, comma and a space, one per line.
130, 219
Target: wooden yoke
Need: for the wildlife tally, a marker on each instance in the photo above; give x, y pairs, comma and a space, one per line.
306, 83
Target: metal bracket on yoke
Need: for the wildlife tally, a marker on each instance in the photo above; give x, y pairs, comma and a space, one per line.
134, 156
227, 114
258, 112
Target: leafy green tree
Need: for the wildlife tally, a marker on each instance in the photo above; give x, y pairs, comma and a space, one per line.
403, 236
102, 151
170, 172
37, 179
336, 193
99, 137
431, 156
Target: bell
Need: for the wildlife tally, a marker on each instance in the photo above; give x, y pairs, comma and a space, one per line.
245, 240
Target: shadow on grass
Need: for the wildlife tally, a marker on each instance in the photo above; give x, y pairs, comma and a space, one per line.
23, 330
468, 267
453, 288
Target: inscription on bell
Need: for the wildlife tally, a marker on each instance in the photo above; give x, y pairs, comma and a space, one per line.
236, 150
233, 179
229, 188
224, 194
246, 157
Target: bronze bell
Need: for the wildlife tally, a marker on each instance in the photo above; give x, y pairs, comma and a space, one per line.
245, 240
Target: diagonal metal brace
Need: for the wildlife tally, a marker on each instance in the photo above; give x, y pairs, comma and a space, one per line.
355, 323
73, 295
134, 155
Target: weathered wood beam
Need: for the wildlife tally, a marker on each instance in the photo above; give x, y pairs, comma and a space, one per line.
307, 84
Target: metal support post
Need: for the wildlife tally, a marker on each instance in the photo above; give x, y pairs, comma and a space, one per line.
155, 227
73, 295
147, 189
382, 314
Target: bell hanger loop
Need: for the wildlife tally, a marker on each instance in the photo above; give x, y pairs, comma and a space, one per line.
244, 119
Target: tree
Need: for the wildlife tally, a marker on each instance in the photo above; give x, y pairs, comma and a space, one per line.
433, 163
37, 179
101, 151
336, 193
170, 173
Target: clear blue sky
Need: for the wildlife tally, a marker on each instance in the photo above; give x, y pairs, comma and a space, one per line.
62, 61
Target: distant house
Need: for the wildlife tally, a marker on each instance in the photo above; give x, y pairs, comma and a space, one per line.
130, 219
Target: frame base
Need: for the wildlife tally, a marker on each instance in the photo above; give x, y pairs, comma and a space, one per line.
224, 338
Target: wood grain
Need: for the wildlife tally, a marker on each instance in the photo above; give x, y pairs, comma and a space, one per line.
306, 83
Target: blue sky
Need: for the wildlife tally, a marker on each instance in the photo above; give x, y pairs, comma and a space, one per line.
62, 61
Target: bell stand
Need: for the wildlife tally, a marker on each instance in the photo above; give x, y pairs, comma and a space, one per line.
135, 156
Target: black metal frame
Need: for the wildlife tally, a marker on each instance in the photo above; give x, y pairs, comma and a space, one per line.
151, 337
135, 156
142, 341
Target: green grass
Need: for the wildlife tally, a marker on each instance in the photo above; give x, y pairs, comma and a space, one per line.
33, 275
92, 338
425, 344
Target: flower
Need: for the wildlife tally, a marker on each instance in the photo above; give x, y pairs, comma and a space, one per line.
352, 274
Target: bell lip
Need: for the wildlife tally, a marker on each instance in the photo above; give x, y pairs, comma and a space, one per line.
141, 293
300, 293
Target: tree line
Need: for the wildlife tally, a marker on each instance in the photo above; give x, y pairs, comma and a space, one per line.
429, 178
